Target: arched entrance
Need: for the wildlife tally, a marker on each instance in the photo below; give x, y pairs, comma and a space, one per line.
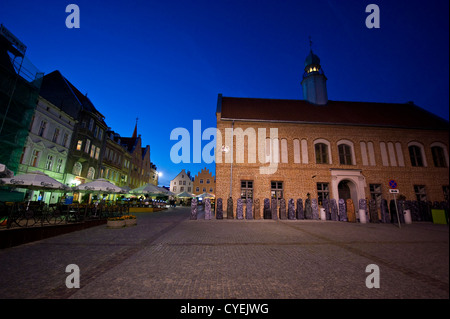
344, 190
348, 190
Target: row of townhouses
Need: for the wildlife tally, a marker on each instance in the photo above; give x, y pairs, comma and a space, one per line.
50, 126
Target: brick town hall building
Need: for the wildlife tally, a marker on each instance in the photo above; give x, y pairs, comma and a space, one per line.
329, 149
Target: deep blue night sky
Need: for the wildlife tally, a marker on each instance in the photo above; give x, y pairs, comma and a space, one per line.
166, 61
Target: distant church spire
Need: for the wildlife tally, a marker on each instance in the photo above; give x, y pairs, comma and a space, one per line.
135, 129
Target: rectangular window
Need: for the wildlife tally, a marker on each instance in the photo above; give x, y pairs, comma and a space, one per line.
59, 165
93, 151
438, 156
323, 192
34, 158
276, 190
415, 155
42, 128
49, 163
181, 189
321, 153
55, 135
189, 189
207, 181
100, 134
96, 131
79, 145
201, 181
22, 157
97, 153
91, 124
421, 194
197, 189
246, 189
88, 144
345, 154
174, 188
65, 139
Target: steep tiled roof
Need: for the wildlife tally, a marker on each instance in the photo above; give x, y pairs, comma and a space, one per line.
399, 115
63, 94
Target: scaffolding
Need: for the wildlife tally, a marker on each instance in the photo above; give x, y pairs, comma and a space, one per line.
20, 82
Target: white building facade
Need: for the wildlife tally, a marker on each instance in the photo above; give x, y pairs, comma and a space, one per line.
182, 183
47, 145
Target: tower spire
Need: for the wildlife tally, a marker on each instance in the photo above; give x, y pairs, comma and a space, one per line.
135, 129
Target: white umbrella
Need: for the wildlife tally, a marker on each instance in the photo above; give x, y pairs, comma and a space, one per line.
185, 195
147, 189
36, 180
206, 195
99, 185
166, 192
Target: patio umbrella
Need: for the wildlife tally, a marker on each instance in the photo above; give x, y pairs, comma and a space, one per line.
206, 195
185, 195
166, 192
147, 189
99, 185
36, 180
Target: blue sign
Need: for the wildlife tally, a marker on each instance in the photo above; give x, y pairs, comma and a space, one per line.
392, 184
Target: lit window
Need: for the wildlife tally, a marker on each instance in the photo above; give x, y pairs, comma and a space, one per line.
276, 190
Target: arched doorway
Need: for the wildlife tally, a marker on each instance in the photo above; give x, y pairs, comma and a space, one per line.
344, 190
347, 190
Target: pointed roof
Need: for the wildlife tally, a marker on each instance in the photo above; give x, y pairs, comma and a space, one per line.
60, 92
135, 130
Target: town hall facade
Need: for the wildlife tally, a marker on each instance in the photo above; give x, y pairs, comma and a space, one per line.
324, 149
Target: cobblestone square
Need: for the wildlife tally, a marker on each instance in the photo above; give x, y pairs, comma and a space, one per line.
168, 256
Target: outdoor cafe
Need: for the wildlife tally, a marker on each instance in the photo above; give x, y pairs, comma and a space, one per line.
18, 208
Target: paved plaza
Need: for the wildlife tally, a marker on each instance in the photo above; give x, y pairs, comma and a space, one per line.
168, 256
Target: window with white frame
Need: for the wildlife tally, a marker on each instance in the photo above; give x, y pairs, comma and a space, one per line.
49, 163
91, 173
77, 167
